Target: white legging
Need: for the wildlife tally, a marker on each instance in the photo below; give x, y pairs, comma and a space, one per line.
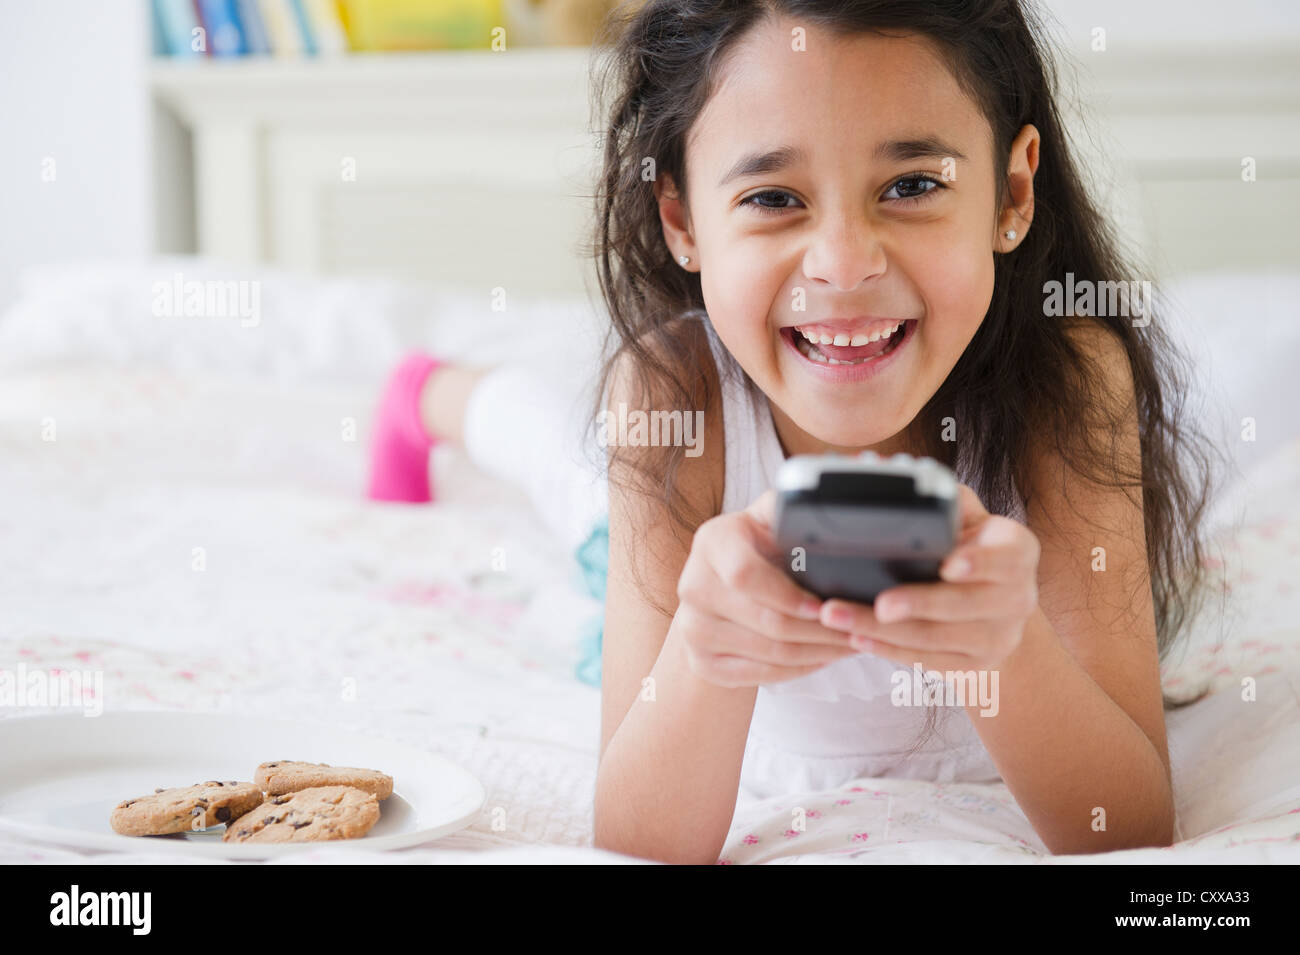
531, 428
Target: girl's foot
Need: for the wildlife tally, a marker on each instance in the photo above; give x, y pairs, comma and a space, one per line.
400, 446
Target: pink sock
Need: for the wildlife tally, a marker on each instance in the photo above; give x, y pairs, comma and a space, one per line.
399, 449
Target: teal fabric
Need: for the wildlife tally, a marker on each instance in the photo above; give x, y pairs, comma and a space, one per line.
593, 561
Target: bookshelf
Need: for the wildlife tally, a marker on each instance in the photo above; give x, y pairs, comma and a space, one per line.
397, 73
206, 29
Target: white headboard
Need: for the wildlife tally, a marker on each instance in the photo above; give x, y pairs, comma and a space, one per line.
473, 169
466, 169
1169, 132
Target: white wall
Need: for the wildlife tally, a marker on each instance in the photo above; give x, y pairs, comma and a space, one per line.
73, 89
1135, 25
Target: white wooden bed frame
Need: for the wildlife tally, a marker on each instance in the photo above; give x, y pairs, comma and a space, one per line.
473, 169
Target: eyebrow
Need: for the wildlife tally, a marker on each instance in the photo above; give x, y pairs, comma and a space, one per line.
764, 161
761, 162
926, 147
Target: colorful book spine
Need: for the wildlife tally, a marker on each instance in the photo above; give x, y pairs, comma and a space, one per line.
295, 28
221, 23
178, 22
391, 25
256, 41
304, 26
281, 27
327, 26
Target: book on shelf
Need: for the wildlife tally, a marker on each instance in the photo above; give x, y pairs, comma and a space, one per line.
178, 23
309, 28
220, 24
256, 41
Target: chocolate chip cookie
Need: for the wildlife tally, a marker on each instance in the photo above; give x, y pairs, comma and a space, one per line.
308, 815
185, 808
287, 776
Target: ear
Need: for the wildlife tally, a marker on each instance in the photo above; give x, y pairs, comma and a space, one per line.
1018, 212
676, 222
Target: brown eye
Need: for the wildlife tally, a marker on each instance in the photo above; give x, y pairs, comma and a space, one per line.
911, 188
768, 201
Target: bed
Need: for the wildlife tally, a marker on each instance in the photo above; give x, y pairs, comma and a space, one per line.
249, 442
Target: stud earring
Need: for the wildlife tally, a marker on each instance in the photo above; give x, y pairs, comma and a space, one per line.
683, 259
1010, 233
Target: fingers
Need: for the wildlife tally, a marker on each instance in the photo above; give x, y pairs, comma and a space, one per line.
950, 603
975, 612
712, 635
745, 570
971, 645
969, 506
1001, 549
757, 522
958, 618
744, 621
914, 634
747, 611
763, 508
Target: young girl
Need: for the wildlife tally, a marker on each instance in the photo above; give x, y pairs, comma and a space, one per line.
829, 227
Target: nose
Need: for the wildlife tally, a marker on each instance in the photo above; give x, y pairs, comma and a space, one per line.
844, 253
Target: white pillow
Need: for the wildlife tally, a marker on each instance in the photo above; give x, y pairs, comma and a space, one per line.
273, 324
1242, 333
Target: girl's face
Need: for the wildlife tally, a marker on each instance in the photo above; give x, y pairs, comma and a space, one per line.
833, 192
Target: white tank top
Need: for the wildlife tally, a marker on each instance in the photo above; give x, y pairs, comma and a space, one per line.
839, 723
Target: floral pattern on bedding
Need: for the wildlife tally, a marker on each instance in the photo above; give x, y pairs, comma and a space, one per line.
448, 651
894, 820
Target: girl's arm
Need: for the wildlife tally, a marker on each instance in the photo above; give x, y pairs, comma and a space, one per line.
1080, 735
1076, 725
679, 682
671, 744
1070, 749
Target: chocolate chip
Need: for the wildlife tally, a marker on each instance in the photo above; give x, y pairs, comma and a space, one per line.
158, 790
280, 800
223, 813
268, 820
299, 825
216, 783
272, 764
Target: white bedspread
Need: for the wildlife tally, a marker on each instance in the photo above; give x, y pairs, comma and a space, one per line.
307, 585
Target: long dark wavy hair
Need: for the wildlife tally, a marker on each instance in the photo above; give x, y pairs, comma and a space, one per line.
1020, 376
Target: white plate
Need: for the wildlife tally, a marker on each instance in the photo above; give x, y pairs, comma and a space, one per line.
62, 775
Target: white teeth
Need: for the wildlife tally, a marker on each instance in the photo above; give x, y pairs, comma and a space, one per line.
815, 354
842, 340
877, 336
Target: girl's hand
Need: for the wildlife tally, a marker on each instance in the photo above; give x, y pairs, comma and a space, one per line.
970, 620
742, 620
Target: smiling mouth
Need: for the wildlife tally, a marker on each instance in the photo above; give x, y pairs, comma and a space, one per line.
829, 354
